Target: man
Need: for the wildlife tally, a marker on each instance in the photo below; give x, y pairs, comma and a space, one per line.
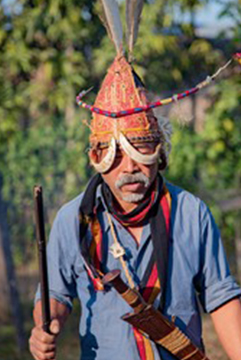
117, 224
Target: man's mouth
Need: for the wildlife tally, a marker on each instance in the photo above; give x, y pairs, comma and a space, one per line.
132, 182
132, 186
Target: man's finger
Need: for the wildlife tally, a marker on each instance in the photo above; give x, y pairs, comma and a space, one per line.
55, 327
43, 347
39, 355
42, 336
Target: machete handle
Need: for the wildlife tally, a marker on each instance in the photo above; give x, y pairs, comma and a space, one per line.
131, 296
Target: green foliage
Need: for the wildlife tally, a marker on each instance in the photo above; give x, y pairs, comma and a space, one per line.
222, 138
208, 162
50, 49
185, 159
45, 59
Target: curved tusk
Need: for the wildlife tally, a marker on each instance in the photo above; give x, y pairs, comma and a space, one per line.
108, 160
146, 159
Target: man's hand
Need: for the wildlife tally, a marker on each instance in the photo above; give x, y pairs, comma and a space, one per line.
43, 345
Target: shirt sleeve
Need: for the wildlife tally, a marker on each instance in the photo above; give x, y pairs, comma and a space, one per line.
60, 263
217, 286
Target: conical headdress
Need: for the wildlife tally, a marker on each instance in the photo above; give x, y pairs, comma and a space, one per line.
120, 90
122, 113
123, 89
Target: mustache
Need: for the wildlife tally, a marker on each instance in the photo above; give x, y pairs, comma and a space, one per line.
132, 178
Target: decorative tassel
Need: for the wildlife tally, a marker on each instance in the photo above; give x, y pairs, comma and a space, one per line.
237, 57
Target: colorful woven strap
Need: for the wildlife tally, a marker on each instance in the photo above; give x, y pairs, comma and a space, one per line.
152, 105
153, 286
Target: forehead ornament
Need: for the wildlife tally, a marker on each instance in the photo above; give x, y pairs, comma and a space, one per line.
105, 164
146, 159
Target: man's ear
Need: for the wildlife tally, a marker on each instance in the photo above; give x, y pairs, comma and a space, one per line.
163, 162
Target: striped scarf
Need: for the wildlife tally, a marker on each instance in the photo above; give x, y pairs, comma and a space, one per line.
156, 208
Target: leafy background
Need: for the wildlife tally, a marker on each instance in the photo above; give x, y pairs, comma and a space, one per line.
49, 50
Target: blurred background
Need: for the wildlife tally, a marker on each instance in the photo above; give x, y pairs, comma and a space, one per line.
52, 49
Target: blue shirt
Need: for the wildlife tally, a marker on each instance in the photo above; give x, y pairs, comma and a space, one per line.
197, 272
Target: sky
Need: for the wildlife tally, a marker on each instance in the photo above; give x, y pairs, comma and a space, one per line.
208, 20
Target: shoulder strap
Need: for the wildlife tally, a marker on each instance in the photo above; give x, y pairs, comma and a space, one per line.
160, 238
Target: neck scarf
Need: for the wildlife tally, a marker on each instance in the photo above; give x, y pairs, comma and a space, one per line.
140, 213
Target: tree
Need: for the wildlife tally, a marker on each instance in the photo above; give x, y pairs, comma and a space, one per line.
45, 50
208, 162
50, 49
44, 62
9, 270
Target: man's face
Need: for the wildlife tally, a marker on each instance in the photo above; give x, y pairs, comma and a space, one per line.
128, 179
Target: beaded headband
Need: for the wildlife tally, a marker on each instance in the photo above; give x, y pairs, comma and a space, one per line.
174, 98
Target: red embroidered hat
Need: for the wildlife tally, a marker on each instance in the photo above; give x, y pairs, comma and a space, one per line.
122, 89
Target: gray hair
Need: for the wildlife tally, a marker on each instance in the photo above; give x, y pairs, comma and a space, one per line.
166, 128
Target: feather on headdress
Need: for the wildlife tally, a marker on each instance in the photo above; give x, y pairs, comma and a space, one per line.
133, 17
110, 17
112, 21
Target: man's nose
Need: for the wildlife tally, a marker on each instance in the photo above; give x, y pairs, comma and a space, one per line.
129, 165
